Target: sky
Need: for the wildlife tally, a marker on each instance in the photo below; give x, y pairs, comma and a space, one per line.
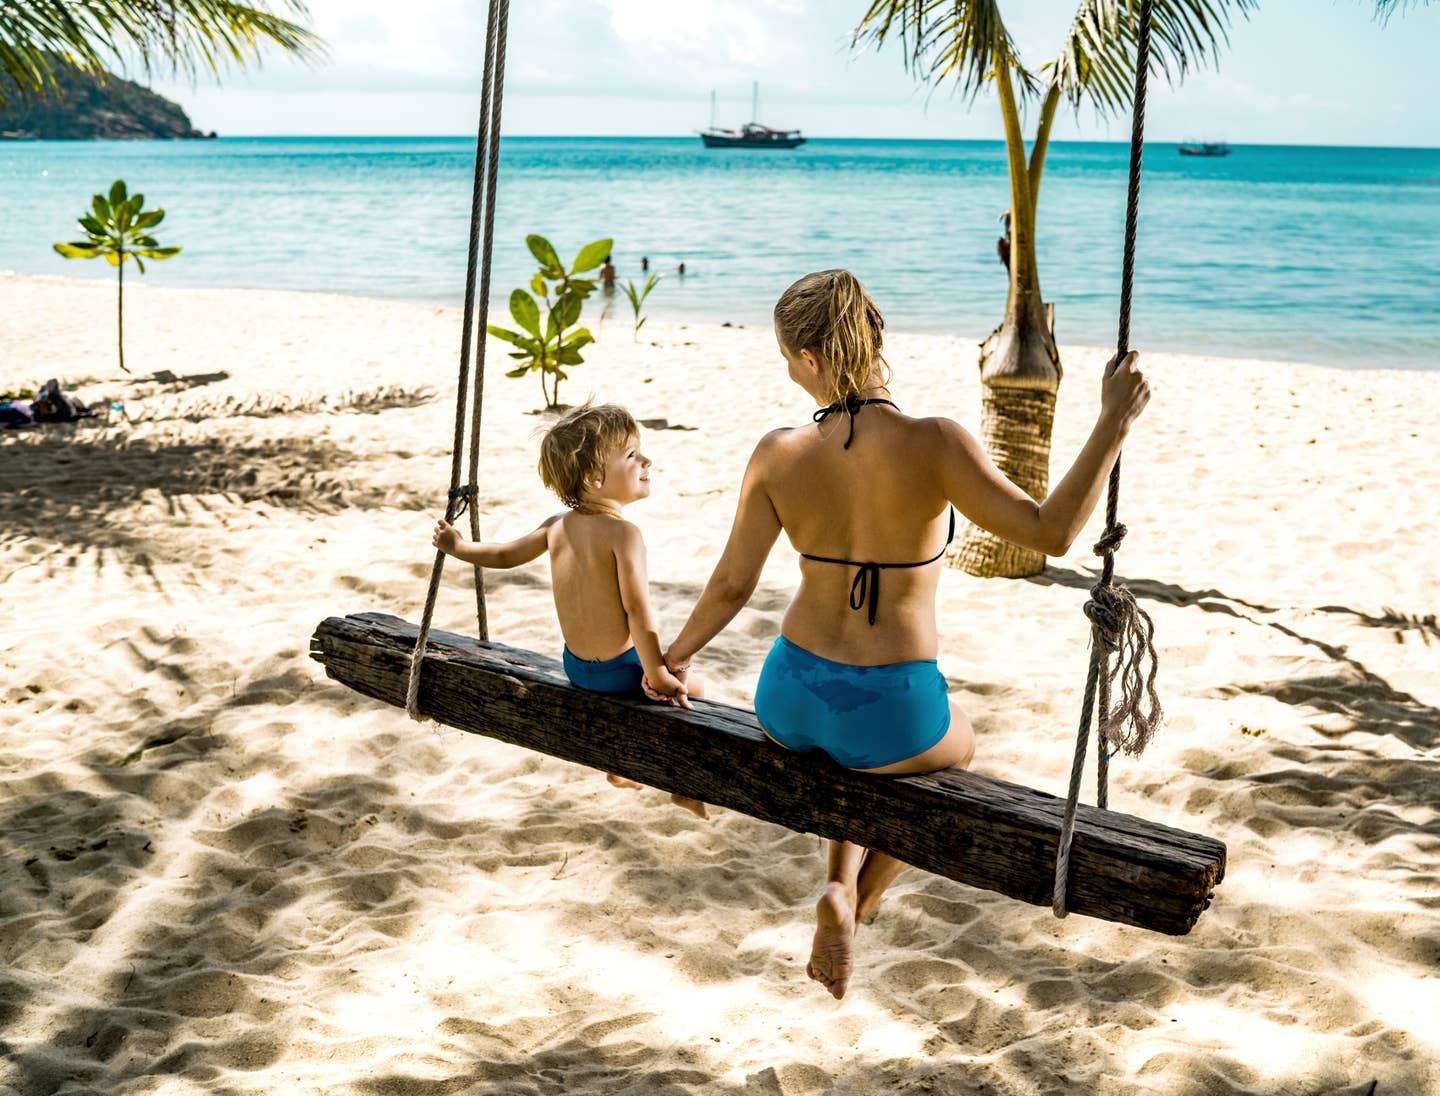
1294, 72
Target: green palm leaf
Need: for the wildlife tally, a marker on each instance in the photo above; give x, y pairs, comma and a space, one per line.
1097, 58
183, 37
961, 39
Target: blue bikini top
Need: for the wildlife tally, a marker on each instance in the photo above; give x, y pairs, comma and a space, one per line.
865, 590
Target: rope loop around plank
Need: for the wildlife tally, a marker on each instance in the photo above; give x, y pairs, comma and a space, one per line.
478, 260
1118, 625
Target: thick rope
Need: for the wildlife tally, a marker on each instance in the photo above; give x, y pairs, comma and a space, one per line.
492, 170
1117, 624
460, 499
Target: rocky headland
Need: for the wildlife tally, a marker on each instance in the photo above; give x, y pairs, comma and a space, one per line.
88, 107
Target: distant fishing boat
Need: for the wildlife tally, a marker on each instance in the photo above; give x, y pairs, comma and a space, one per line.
752, 134
1206, 148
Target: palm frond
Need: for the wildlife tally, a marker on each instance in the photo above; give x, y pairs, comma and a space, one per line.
1386, 8
960, 39
183, 37
1096, 62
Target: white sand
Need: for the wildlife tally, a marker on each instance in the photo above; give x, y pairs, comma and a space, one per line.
295, 890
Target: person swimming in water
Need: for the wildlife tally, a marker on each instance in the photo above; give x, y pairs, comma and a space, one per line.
868, 491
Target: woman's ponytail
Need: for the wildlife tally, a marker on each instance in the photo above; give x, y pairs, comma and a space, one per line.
830, 314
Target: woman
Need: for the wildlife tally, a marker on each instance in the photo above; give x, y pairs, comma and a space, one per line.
853, 671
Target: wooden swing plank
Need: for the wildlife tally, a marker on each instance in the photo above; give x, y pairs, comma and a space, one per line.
977, 830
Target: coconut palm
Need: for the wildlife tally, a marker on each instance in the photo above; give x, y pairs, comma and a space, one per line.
181, 36
966, 41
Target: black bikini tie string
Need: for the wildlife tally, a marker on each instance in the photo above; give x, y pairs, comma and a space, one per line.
866, 588
850, 405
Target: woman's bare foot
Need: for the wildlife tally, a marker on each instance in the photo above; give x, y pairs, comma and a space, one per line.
623, 782
694, 806
832, 959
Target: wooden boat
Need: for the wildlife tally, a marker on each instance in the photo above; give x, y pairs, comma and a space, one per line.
1206, 148
752, 134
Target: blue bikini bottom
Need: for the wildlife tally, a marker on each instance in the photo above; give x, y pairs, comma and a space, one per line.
865, 717
619, 675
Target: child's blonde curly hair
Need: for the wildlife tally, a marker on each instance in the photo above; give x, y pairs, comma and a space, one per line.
578, 445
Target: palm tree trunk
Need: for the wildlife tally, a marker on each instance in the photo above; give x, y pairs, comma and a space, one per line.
120, 310
1019, 363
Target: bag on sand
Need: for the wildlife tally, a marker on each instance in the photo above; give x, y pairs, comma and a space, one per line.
52, 405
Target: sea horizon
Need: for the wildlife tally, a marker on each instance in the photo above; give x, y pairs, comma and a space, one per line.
1319, 253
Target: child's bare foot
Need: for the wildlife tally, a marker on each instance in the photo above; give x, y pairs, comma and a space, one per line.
866, 914
694, 806
832, 958
623, 781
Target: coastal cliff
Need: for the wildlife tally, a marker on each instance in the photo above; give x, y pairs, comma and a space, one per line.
88, 107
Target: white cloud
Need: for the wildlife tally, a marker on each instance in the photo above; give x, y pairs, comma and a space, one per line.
647, 66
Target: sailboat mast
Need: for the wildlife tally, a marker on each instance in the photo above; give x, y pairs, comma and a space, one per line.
755, 102
712, 108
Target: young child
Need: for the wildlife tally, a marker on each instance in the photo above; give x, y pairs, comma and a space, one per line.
591, 458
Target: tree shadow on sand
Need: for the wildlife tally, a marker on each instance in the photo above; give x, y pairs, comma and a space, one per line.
1367, 701
83, 491
1379, 794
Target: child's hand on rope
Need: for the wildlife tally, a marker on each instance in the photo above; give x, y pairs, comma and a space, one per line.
447, 538
1126, 389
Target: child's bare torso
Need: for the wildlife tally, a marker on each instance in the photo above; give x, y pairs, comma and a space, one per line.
586, 585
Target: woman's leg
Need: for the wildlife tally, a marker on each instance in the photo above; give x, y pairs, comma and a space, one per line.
954, 751
832, 958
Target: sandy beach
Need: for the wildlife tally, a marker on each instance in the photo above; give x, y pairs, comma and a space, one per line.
224, 873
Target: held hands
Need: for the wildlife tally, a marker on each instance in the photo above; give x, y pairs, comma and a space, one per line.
669, 688
447, 538
1125, 391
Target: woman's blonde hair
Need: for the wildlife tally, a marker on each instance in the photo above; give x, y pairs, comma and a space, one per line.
578, 445
830, 314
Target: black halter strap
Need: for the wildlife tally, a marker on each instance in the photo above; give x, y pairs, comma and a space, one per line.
850, 405
865, 590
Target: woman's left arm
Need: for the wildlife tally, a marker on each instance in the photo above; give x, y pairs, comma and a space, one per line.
736, 575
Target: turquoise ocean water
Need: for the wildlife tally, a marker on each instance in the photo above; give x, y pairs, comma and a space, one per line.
1329, 255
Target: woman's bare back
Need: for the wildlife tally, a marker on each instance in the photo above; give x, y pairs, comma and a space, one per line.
880, 500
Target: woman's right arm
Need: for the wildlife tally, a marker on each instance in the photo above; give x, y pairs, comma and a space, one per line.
981, 492
730, 586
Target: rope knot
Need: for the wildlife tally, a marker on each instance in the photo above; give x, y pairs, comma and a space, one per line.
461, 499
1110, 542
1107, 610
1123, 629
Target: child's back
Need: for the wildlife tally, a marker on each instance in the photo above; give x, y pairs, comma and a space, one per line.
585, 550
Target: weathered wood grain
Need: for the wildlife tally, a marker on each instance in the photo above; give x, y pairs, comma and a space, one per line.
977, 830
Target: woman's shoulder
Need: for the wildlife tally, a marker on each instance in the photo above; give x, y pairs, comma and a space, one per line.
939, 430
776, 441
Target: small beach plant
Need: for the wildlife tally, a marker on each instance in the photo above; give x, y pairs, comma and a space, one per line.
117, 228
548, 347
637, 299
